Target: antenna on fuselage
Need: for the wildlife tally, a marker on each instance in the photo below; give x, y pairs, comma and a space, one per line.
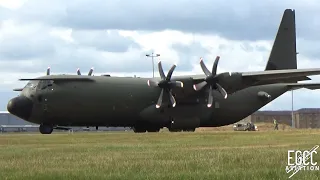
89, 74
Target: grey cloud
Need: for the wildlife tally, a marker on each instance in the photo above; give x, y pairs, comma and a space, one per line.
4, 13
309, 49
22, 47
249, 47
110, 41
248, 19
34, 48
187, 53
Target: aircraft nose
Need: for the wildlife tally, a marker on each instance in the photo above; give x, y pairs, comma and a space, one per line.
21, 107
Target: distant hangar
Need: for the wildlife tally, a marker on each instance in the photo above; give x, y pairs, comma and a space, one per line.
11, 123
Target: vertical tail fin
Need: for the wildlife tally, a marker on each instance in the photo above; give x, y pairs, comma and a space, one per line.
283, 54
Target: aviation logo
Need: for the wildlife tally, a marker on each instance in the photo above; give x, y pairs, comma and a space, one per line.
298, 160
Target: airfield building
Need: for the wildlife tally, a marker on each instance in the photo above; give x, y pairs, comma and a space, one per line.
303, 118
11, 123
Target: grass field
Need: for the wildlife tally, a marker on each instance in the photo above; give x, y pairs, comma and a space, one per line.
126, 155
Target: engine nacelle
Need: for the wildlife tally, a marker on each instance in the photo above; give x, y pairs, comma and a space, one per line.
231, 82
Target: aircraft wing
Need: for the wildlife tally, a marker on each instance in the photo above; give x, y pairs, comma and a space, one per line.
61, 78
280, 74
270, 76
311, 86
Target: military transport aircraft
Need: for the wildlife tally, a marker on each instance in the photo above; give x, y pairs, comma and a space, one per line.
180, 103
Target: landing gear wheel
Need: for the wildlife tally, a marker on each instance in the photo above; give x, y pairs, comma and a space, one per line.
45, 129
139, 130
154, 129
190, 129
175, 130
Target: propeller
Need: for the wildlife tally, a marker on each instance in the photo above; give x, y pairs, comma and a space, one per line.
211, 79
89, 74
166, 84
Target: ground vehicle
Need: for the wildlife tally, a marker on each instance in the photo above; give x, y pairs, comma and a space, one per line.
244, 127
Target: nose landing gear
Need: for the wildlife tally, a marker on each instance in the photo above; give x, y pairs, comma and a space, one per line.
45, 128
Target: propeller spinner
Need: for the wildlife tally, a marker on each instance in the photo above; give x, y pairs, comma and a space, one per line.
166, 84
211, 79
89, 74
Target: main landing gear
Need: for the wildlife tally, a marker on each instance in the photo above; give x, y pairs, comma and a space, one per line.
145, 129
157, 129
180, 130
45, 128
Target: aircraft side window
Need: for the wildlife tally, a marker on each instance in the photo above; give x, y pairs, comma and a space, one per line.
50, 82
44, 84
40, 85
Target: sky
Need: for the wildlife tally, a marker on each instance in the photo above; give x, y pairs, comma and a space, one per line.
115, 36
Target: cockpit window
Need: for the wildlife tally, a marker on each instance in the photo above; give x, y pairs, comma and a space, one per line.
44, 84
32, 84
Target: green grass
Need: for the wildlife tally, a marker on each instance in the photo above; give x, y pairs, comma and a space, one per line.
126, 155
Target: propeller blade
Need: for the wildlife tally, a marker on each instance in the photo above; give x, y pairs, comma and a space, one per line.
161, 71
204, 68
215, 65
152, 83
160, 99
48, 71
174, 84
78, 71
222, 91
173, 101
90, 72
199, 86
210, 97
170, 72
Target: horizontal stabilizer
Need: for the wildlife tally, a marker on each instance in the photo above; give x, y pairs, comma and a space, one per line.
280, 74
311, 86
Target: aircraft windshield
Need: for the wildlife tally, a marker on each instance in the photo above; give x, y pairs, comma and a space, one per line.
45, 83
32, 84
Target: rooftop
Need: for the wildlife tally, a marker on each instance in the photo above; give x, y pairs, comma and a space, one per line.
279, 113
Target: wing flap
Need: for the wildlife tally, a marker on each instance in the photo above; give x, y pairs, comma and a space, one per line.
311, 86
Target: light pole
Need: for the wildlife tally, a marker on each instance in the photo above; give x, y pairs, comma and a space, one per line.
292, 115
152, 56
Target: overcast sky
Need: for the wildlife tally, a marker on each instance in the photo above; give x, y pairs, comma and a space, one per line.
114, 36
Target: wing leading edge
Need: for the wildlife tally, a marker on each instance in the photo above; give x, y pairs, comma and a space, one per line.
61, 79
